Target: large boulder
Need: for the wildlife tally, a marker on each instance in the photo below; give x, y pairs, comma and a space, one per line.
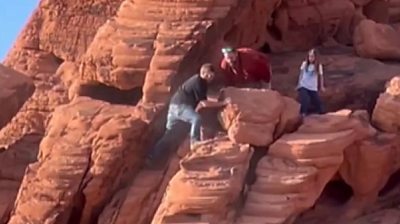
299, 166
386, 111
374, 40
375, 157
300, 25
256, 116
89, 149
377, 10
283, 190
208, 184
57, 31
16, 88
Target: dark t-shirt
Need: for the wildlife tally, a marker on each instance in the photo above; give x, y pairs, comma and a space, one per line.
191, 92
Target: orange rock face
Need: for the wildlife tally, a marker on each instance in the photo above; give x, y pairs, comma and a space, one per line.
15, 90
247, 122
283, 189
385, 111
207, 185
374, 157
373, 40
89, 149
138, 51
57, 31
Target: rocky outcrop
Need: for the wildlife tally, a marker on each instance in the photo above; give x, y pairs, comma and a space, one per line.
147, 43
63, 28
14, 159
299, 166
249, 123
16, 88
374, 157
302, 24
373, 40
57, 31
283, 190
208, 184
88, 168
90, 148
394, 11
144, 193
386, 110
321, 150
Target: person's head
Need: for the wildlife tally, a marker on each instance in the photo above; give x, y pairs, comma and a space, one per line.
311, 56
230, 54
207, 72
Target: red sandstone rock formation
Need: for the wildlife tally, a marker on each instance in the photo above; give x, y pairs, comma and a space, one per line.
252, 115
283, 190
208, 184
15, 90
385, 112
373, 40
88, 168
57, 31
89, 150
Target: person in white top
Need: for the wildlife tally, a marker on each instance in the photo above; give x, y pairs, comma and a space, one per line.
311, 80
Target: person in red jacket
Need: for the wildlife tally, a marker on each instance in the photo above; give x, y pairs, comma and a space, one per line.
245, 67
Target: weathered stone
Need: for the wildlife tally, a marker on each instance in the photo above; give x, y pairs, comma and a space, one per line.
283, 190
57, 31
16, 88
373, 40
385, 115
245, 120
301, 25
208, 183
374, 157
89, 149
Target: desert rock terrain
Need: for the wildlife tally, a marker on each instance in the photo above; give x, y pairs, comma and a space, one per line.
86, 85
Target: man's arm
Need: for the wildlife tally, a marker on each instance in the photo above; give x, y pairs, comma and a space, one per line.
227, 76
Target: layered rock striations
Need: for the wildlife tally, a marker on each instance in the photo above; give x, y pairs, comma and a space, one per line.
88, 169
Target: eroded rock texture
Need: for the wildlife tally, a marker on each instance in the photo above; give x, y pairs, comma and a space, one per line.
89, 149
375, 157
373, 40
16, 88
385, 112
88, 165
283, 189
208, 185
149, 42
57, 31
248, 122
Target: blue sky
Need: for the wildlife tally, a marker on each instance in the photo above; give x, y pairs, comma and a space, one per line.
13, 16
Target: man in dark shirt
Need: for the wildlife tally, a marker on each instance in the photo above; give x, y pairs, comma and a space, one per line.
183, 107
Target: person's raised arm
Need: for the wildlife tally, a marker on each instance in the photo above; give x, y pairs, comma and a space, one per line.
303, 66
321, 77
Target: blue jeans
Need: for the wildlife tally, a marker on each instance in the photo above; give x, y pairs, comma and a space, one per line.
309, 98
176, 114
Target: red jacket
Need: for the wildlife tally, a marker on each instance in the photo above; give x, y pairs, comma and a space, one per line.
251, 66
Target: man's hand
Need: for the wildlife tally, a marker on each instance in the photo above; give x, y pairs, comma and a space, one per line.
323, 89
212, 104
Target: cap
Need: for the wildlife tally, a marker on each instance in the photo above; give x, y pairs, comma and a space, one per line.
227, 50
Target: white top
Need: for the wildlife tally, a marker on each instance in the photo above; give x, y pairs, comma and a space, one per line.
309, 76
